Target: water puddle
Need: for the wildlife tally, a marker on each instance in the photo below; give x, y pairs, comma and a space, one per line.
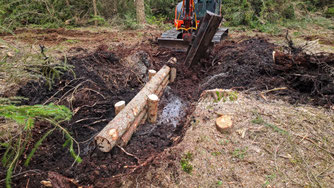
174, 110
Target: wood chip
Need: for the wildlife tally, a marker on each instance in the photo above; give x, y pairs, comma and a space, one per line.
46, 183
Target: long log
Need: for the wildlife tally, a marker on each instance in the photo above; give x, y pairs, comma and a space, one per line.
163, 85
127, 136
162, 89
115, 129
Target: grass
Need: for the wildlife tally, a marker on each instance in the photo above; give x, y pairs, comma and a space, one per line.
283, 145
185, 163
259, 120
226, 96
240, 153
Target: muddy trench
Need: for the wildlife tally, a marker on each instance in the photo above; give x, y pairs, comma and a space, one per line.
101, 79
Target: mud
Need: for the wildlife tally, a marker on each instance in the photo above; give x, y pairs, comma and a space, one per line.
99, 80
249, 66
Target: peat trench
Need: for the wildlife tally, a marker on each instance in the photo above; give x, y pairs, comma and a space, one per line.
101, 80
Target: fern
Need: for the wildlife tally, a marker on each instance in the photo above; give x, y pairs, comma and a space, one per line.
26, 116
38, 143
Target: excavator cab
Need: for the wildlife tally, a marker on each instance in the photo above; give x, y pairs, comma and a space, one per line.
201, 6
188, 15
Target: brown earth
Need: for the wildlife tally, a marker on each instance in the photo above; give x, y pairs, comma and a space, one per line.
101, 79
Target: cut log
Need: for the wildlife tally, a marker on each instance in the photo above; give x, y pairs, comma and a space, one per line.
162, 89
108, 137
127, 136
119, 106
224, 123
162, 86
172, 76
153, 102
151, 73
274, 56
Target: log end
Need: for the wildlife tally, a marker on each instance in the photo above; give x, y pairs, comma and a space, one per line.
224, 123
153, 97
151, 71
103, 144
120, 103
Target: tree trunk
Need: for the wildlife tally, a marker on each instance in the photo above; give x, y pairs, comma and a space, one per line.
95, 12
115, 6
68, 3
140, 11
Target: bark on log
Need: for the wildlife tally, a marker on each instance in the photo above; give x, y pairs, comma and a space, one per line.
108, 137
153, 102
143, 121
172, 75
119, 106
162, 86
162, 90
151, 73
127, 136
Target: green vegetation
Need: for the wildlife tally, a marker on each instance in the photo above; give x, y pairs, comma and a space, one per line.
269, 16
185, 163
18, 122
239, 153
19, 140
225, 96
54, 14
265, 16
25, 66
259, 120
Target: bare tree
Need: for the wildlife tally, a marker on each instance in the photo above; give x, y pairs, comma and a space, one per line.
140, 11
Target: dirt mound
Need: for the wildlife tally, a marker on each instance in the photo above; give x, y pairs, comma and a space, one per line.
249, 65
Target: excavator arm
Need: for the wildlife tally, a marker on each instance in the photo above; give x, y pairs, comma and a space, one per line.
188, 14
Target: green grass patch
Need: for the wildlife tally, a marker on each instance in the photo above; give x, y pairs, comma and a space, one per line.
185, 163
240, 153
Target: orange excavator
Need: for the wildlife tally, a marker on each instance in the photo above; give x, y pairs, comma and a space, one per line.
189, 15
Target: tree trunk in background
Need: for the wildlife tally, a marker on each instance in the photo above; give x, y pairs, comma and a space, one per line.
95, 11
140, 10
114, 5
68, 3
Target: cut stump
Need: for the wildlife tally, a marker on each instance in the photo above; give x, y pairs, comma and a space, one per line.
151, 73
153, 101
224, 123
119, 106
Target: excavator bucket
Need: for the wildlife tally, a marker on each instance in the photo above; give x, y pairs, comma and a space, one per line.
173, 39
204, 37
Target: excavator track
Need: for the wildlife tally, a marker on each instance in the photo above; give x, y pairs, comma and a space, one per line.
171, 39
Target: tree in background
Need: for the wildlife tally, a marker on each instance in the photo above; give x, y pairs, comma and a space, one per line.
140, 11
